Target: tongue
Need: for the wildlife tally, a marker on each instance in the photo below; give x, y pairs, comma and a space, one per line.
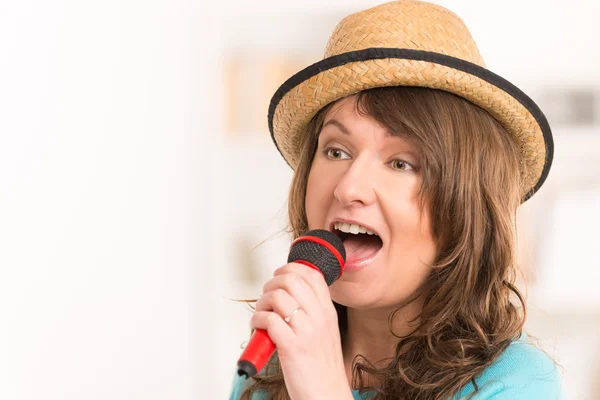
361, 246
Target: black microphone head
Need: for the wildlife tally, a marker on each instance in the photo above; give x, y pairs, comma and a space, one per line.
323, 249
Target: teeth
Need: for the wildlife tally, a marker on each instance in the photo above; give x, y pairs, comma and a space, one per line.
352, 228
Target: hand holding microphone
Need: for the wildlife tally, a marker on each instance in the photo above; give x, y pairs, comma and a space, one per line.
297, 316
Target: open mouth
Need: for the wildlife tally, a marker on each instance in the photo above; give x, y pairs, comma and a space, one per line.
360, 242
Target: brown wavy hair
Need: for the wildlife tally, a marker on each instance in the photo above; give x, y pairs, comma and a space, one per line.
471, 188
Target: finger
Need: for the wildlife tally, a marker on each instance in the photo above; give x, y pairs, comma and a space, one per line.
279, 331
312, 277
299, 321
298, 289
279, 301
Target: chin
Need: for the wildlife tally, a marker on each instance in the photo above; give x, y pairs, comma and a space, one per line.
352, 299
349, 295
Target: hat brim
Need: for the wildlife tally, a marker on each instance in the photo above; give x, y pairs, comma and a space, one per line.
305, 93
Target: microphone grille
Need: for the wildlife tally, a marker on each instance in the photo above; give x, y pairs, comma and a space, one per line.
307, 248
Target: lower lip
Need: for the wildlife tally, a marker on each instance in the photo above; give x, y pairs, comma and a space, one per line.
357, 265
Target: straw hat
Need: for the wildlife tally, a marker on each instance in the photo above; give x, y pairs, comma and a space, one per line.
409, 43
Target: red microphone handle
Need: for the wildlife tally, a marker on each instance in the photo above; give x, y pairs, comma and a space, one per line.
257, 353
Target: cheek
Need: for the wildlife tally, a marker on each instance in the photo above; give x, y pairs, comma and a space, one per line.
414, 246
409, 261
424, 237
319, 195
411, 233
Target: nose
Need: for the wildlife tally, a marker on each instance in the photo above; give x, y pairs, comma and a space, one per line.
356, 188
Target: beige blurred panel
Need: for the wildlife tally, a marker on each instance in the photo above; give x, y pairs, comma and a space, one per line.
250, 83
246, 261
240, 80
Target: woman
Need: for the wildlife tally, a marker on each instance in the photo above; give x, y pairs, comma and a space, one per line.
406, 147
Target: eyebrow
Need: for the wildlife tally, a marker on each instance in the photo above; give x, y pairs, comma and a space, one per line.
343, 128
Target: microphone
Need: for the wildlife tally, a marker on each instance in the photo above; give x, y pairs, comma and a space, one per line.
318, 249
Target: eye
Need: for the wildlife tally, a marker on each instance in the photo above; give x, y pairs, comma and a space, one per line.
336, 154
401, 165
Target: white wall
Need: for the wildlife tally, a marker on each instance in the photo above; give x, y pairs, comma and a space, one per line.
104, 138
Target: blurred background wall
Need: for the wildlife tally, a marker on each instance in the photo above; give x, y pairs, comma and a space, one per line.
140, 190
108, 112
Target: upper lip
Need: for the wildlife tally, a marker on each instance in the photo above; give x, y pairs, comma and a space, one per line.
352, 221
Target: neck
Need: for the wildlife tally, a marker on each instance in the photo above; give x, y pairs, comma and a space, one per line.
368, 333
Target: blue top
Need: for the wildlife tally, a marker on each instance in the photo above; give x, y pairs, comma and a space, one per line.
521, 372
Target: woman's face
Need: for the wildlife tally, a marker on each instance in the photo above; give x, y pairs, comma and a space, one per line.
363, 176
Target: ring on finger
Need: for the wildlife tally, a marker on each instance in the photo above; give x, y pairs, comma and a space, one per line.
289, 317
